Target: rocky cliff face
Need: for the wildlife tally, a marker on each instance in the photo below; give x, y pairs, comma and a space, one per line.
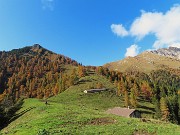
172, 52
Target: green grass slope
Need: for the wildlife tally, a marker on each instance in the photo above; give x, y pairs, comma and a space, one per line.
74, 112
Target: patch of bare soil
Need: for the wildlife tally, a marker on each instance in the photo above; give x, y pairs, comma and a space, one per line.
143, 132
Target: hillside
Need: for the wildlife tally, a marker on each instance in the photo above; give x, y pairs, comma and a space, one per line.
31, 71
74, 112
147, 61
39, 75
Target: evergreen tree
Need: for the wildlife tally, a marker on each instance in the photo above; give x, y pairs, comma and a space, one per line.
157, 108
173, 108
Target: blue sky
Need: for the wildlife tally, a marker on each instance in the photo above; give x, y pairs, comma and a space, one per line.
93, 32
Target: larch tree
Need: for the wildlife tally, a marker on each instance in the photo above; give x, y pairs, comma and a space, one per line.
73, 78
136, 89
121, 88
55, 90
99, 85
146, 90
126, 98
164, 109
133, 98
81, 71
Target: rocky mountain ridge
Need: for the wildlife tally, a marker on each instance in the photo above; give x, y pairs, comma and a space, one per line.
172, 52
166, 58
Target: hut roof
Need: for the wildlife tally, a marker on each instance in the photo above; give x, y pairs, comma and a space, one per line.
125, 112
95, 90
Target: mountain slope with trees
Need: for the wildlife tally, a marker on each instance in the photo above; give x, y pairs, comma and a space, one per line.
31, 72
75, 112
35, 72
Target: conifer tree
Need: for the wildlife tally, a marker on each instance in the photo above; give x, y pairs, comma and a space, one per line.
61, 83
99, 85
133, 98
55, 90
157, 108
81, 71
164, 109
136, 89
121, 88
126, 98
73, 78
173, 106
146, 90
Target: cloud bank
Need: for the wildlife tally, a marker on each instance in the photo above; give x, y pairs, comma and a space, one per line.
164, 26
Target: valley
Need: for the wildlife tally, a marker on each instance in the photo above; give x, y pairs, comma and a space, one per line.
38, 75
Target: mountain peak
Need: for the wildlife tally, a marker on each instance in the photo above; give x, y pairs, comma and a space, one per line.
39, 49
36, 46
172, 52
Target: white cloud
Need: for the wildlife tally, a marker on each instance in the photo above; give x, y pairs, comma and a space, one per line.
48, 4
146, 24
119, 30
132, 51
164, 26
175, 45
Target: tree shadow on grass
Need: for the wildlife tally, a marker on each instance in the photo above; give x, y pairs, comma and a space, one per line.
146, 112
5, 124
142, 99
21, 113
146, 108
91, 72
83, 81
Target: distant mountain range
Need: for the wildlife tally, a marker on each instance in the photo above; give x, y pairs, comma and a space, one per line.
166, 58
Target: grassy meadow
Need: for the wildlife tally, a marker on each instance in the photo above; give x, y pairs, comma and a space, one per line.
74, 112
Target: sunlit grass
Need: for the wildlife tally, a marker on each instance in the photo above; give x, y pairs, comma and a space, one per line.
74, 112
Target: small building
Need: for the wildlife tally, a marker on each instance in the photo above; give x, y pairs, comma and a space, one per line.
124, 112
95, 90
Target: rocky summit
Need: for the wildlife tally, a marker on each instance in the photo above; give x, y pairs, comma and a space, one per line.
172, 52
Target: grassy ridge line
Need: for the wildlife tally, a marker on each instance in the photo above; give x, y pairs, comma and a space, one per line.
144, 62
